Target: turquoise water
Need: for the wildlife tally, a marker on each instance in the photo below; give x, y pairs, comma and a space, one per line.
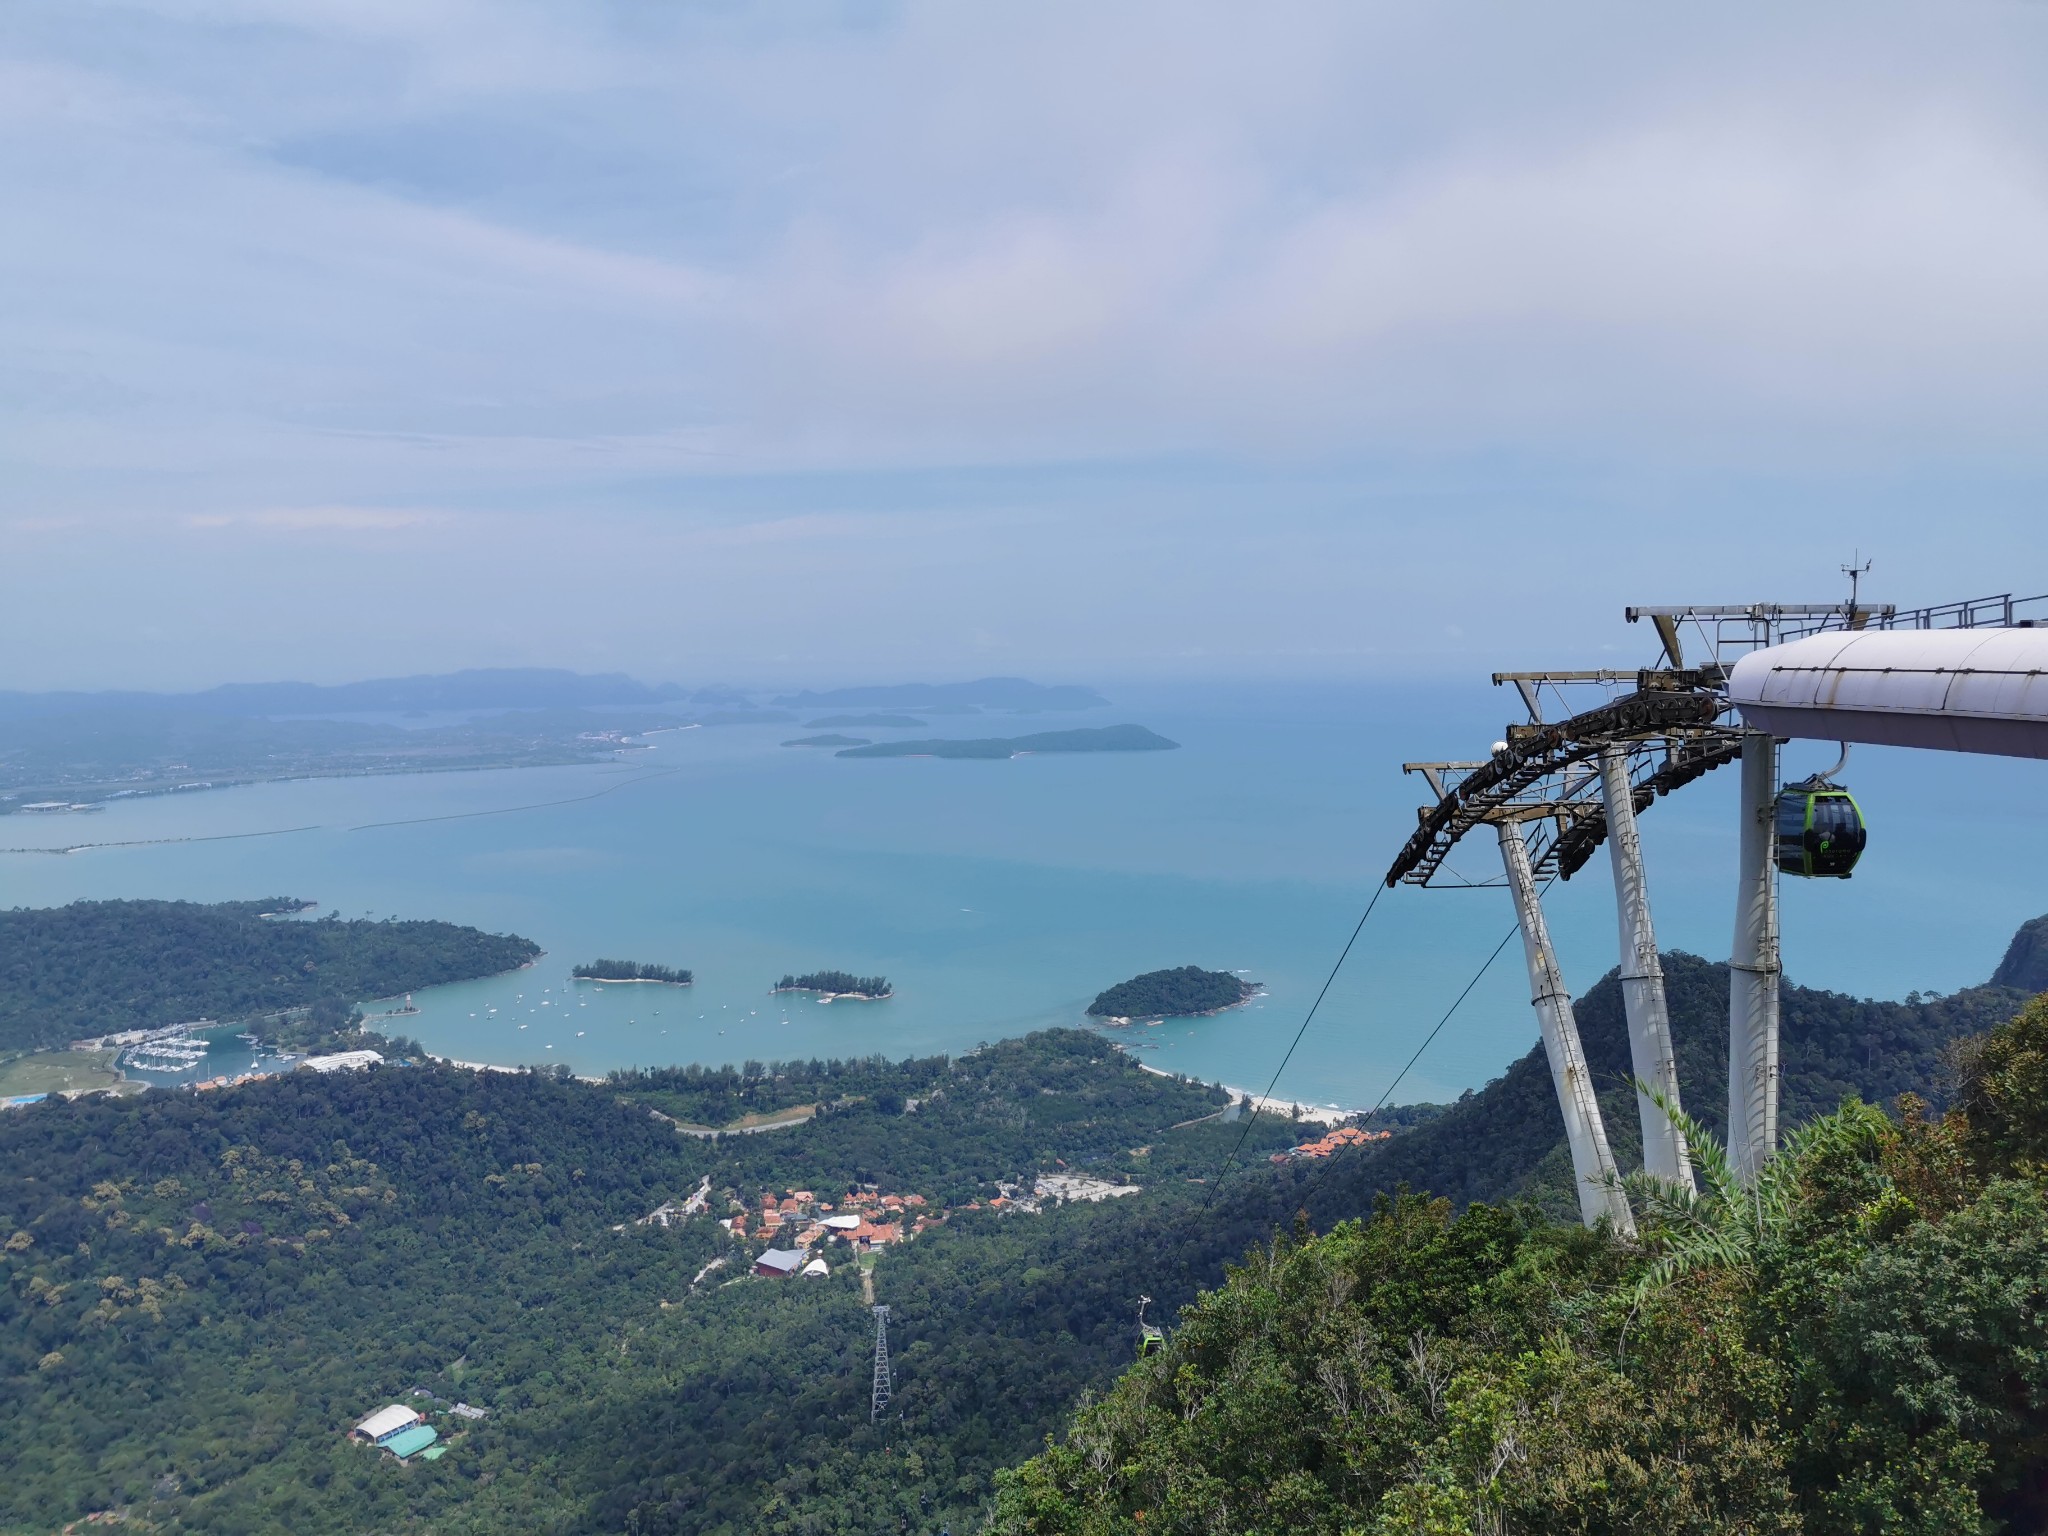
1000, 896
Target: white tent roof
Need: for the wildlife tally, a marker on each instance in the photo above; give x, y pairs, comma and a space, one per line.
1954, 690
841, 1223
816, 1267
385, 1420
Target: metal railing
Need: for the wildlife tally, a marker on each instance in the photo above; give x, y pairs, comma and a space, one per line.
2003, 611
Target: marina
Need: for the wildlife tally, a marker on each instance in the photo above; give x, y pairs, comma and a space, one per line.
176, 1049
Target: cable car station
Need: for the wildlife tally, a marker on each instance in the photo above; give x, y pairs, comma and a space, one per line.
1729, 685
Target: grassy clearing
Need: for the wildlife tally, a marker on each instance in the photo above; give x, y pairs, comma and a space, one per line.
60, 1072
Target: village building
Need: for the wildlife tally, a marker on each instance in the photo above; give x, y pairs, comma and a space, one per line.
779, 1263
1343, 1136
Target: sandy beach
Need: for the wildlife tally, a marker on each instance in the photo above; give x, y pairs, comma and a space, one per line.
1319, 1114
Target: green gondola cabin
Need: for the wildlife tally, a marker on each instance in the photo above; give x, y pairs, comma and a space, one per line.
1820, 831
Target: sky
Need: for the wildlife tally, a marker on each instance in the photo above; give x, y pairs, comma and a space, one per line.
812, 343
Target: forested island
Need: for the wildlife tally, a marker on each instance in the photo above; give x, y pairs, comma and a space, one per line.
831, 740
837, 984
627, 970
98, 967
1105, 738
1182, 992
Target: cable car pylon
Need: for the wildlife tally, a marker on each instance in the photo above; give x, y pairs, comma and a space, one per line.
879, 1397
1754, 967
1642, 980
1593, 1170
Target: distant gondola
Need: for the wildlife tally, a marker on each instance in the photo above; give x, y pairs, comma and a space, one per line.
1150, 1335
1820, 830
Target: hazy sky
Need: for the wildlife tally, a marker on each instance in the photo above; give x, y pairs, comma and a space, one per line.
809, 342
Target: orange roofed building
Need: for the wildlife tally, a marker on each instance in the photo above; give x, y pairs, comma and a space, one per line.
1343, 1136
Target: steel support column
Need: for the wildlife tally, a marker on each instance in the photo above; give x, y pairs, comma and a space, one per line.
1642, 978
1753, 971
1593, 1170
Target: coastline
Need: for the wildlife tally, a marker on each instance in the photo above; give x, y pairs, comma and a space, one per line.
1320, 1114
488, 1066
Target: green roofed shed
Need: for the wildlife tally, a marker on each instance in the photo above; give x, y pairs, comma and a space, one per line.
409, 1442
433, 1453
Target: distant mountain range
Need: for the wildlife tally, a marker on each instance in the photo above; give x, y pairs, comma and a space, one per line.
535, 688
74, 750
479, 688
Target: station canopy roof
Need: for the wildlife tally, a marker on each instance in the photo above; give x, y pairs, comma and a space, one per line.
385, 1420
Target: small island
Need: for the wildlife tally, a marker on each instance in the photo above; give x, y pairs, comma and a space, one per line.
829, 741
870, 721
1185, 992
1106, 738
835, 984
627, 970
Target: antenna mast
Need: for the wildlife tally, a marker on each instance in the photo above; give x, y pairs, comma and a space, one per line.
1855, 573
881, 1392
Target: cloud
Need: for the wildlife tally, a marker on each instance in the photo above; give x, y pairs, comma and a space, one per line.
319, 519
1165, 326
945, 239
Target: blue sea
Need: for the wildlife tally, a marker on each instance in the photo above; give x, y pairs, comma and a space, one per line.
1000, 896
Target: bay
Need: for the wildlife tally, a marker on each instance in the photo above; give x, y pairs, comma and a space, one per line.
999, 896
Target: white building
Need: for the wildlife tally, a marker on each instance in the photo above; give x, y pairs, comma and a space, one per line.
346, 1061
386, 1422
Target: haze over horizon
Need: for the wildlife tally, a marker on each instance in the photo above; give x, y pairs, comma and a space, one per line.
837, 343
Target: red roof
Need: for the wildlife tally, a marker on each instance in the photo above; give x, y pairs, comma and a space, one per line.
1343, 1136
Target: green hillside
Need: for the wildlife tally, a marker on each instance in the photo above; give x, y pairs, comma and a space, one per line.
248, 1272
1858, 1346
1507, 1139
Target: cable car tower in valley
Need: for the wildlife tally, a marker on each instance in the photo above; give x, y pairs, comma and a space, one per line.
1598, 748
880, 1393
